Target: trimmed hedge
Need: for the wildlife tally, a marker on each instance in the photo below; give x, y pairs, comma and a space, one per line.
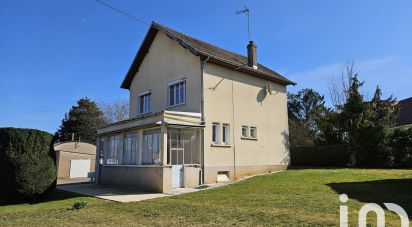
331, 156
27, 164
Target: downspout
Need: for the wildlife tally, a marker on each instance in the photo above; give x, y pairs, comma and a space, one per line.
202, 120
233, 120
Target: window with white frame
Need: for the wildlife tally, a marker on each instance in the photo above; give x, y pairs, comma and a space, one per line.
245, 131
177, 93
113, 151
226, 134
130, 149
151, 147
253, 132
215, 133
144, 103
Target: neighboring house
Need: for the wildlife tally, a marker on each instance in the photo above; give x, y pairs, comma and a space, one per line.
198, 114
404, 118
75, 159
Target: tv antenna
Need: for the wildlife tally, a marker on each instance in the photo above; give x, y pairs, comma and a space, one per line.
245, 11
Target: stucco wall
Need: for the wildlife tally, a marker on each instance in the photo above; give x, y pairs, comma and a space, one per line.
165, 62
191, 176
239, 99
148, 178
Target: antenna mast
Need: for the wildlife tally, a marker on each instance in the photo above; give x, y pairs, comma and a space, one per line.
245, 11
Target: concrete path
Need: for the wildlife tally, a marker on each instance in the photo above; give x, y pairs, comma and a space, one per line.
133, 195
109, 193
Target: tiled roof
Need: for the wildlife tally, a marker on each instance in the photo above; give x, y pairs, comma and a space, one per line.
198, 47
405, 112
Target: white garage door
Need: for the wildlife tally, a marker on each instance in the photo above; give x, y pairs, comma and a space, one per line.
79, 168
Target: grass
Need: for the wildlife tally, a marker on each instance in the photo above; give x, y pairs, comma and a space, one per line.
294, 197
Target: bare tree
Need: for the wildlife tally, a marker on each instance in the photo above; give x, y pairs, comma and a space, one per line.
339, 86
115, 111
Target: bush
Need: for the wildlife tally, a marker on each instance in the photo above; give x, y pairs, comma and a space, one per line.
401, 148
331, 156
79, 205
27, 164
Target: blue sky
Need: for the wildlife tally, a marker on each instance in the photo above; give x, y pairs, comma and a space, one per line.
55, 52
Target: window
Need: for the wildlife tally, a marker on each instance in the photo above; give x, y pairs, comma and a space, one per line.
113, 151
215, 133
177, 93
245, 131
226, 133
130, 149
253, 132
144, 103
151, 147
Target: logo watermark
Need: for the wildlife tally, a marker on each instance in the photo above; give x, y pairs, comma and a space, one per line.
372, 207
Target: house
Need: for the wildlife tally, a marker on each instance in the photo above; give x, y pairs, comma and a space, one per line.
75, 159
404, 118
198, 114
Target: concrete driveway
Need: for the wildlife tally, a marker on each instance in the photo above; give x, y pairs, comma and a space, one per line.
109, 193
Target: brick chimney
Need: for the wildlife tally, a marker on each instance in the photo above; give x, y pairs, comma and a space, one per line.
251, 54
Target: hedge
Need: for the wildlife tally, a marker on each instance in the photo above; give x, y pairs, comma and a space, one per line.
27, 164
331, 156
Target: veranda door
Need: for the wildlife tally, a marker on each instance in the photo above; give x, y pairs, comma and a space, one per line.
176, 155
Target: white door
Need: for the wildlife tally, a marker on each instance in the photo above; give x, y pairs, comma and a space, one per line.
177, 152
177, 176
79, 168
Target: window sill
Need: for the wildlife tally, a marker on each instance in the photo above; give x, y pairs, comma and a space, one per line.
220, 145
181, 104
248, 138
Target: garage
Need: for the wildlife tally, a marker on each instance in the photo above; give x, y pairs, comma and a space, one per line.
75, 159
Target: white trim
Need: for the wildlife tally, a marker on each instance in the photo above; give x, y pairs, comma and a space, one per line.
227, 133
218, 127
191, 114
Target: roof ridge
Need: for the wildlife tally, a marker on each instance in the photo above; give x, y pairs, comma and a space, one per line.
202, 41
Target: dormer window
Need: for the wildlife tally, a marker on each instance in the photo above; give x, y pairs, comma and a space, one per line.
144, 103
176, 93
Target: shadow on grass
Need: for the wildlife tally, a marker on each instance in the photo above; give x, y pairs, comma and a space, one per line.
397, 191
56, 195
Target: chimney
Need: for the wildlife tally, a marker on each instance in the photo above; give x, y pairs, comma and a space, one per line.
251, 54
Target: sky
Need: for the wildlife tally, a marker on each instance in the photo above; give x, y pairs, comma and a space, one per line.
54, 52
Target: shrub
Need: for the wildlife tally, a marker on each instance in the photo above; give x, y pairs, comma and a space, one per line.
79, 205
27, 164
332, 156
401, 147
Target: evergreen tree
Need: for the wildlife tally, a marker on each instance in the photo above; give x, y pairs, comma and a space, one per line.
353, 118
83, 120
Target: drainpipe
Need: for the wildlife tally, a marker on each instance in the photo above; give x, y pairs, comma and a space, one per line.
202, 121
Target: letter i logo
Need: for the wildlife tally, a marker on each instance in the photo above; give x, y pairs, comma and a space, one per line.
343, 211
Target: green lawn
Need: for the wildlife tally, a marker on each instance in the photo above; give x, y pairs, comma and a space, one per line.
294, 197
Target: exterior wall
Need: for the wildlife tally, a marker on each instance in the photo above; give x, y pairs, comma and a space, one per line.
191, 176
73, 151
239, 99
149, 178
165, 62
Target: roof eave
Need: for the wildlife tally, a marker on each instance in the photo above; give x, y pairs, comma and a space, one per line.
242, 68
